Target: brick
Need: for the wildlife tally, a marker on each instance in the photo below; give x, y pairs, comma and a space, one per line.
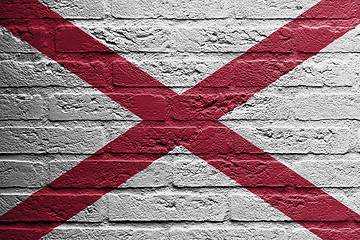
183, 39
198, 173
329, 173
93, 213
8, 201
96, 73
158, 174
105, 234
301, 234
39, 74
246, 171
252, 208
21, 106
157, 140
11, 44
88, 9
167, 207
352, 201
114, 129
71, 39
67, 106
51, 140
180, 72
322, 70
186, 9
9, 232
196, 39
43, 35
261, 9
262, 107
322, 32
331, 69
96, 212
347, 43
127, 39
203, 106
327, 106
222, 39
227, 233
349, 9
259, 232
320, 140
22, 174
357, 143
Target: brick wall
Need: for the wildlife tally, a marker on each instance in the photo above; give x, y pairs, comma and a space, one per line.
51, 119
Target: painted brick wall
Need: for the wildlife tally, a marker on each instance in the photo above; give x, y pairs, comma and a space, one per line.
50, 119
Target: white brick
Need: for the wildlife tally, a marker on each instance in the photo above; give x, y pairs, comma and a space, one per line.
262, 107
220, 39
87, 107
252, 208
93, 213
333, 70
357, 146
8, 201
263, 9
12, 44
42, 74
301, 234
167, 207
96, 212
147, 38
232, 233
51, 140
299, 140
22, 174
21, 106
158, 174
77, 9
326, 106
340, 173
347, 43
216, 233
180, 72
172, 9
105, 234
189, 173
352, 202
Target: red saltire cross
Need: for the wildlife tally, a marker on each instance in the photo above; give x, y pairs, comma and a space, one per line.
189, 119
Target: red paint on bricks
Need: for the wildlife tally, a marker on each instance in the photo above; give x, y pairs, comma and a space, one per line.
197, 131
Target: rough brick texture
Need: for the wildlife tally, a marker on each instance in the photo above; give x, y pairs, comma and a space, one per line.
308, 119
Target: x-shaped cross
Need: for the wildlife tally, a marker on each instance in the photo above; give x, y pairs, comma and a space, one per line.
189, 119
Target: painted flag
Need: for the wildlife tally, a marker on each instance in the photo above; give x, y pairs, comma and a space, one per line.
216, 119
